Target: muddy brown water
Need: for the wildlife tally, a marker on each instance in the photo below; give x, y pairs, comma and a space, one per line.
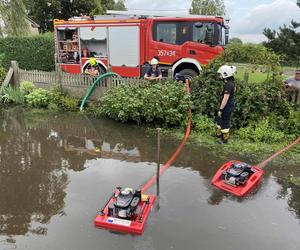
54, 178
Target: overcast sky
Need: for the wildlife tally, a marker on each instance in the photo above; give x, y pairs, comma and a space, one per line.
248, 18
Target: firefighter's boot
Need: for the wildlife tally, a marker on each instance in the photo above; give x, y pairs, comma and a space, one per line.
224, 136
218, 132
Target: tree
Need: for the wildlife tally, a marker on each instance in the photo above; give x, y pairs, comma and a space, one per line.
13, 17
208, 7
44, 11
98, 10
235, 40
285, 42
108, 4
120, 5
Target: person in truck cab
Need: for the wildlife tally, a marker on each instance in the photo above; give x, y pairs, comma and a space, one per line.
154, 72
93, 68
227, 103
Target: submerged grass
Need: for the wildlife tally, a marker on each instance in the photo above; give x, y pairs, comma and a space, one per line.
258, 151
294, 180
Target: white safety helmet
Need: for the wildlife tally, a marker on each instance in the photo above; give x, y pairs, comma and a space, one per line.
227, 71
154, 61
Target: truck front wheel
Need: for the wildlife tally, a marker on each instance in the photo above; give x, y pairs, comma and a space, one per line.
188, 73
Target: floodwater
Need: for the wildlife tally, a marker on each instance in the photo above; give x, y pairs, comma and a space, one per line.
56, 171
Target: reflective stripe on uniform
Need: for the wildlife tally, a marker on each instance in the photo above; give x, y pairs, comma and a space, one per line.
224, 131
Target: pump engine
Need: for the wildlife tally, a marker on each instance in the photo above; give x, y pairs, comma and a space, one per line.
125, 204
237, 174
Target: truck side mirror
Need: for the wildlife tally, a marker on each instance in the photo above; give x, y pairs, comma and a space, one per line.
226, 36
198, 25
226, 33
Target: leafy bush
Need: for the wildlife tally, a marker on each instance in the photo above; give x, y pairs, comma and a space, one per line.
56, 95
69, 103
60, 100
26, 87
257, 101
203, 124
12, 95
290, 125
261, 132
2, 70
32, 52
255, 54
53, 107
2, 75
294, 180
160, 103
253, 101
38, 98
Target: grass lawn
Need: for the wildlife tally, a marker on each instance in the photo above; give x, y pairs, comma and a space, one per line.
258, 75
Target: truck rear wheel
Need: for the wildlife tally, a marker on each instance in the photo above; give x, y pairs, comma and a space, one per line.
188, 73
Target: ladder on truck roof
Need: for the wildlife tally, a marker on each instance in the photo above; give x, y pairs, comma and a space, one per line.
136, 14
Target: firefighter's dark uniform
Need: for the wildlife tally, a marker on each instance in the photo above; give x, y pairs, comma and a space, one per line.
223, 123
153, 72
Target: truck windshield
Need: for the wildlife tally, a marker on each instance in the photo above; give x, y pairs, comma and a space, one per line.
180, 32
208, 33
200, 32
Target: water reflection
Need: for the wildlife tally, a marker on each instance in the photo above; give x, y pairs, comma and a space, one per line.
32, 179
289, 191
204, 161
37, 151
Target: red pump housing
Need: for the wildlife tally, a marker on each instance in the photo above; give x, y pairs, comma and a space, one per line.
133, 225
237, 190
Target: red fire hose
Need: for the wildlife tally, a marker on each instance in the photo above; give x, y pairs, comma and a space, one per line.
110, 219
152, 180
241, 190
265, 162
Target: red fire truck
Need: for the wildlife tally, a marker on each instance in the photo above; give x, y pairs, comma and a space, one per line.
126, 43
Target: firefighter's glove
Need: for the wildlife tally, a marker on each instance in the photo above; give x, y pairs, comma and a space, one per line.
220, 113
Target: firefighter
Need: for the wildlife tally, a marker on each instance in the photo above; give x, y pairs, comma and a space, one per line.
227, 103
93, 68
154, 72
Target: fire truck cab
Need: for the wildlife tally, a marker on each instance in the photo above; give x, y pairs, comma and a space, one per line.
125, 44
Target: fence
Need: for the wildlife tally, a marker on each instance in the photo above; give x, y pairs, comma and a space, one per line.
74, 84
294, 96
78, 84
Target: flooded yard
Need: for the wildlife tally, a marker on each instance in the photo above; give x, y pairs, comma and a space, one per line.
57, 170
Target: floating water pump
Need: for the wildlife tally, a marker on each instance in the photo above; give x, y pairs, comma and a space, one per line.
125, 211
239, 178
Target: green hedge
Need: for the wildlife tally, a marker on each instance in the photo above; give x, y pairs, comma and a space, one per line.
253, 102
255, 54
2, 74
2, 69
165, 103
32, 52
